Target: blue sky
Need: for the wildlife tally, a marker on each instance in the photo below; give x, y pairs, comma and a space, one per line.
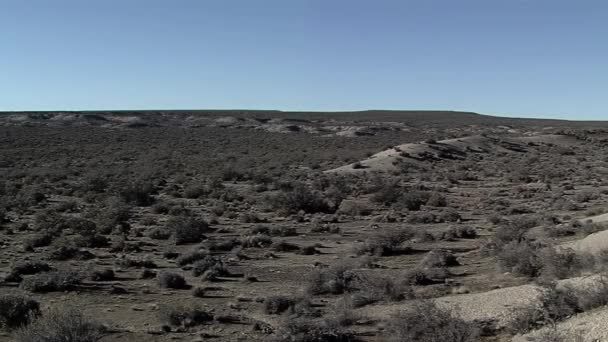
542, 58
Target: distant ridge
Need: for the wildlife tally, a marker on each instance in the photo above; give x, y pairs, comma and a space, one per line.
410, 117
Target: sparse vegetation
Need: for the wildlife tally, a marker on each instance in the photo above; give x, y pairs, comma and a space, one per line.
184, 316
426, 322
251, 214
171, 280
62, 324
17, 310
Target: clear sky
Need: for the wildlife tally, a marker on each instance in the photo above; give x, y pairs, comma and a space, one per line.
543, 58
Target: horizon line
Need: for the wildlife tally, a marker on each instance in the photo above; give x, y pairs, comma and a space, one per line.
499, 115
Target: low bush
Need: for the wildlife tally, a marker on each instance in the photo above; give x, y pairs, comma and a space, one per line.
192, 257
305, 329
160, 233
275, 305
63, 250
563, 263
556, 231
62, 325
283, 231
422, 218
161, 207
515, 230
41, 239
171, 280
387, 193
372, 289
257, 240
199, 292
112, 216
459, 232
436, 199
137, 263
593, 295
187, 229
222, 245
520, 258
17, 310
138, 193
284, 246
412, 200
102, 275
60, 280
425, 276
195, 191
29, 267
555, 304
532, 259
336, 279
300, 198
211, 264
439, 258
184, 316
386, 243
449, 215
425, 322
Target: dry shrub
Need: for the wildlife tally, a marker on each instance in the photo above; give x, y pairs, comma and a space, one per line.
336, 279
213, 267
300, 198
425, 322
17, 310
60, 280
171, 280
187, 229
61, 325
386, 243
184, 316
305, 329
439, 258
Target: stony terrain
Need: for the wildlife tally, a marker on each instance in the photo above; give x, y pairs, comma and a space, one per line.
280, 226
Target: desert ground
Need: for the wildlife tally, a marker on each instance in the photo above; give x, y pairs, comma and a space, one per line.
302, 227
